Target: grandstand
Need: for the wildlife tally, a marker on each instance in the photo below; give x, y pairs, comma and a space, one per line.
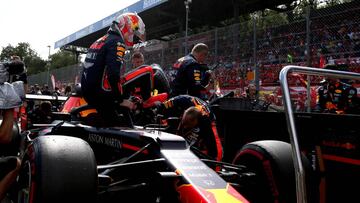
263, 42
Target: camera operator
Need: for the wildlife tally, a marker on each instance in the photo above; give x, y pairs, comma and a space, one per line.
19, 74
10, 98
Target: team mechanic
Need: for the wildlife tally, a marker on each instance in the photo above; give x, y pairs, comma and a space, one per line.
193, 75
100, 82
335, 96
197, 125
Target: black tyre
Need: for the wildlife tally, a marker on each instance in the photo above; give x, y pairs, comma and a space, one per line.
272, 163
58, 169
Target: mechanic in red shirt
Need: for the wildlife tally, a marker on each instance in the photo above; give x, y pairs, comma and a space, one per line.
100, 82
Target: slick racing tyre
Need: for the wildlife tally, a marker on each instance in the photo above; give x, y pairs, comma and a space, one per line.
58, 169
272, 163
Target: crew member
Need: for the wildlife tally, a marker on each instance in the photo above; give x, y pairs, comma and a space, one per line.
331, 95
193, 75
137, 59
197, 125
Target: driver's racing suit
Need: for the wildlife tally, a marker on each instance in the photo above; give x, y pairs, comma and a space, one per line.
205, 137
100, 82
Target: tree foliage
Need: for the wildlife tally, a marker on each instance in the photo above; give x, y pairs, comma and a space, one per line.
271, 18
61, 59
315, 4
22, 49
33, 62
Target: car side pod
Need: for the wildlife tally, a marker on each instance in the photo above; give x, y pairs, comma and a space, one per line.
200, 183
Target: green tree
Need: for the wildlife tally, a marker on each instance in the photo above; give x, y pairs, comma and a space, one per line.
34, 64
31, 59
272, 18
6, 52
61, 59
316, 4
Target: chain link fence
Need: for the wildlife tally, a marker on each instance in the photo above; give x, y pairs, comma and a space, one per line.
270, 40
263, 44
63, 76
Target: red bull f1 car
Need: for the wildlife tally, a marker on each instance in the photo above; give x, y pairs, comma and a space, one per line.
74, 159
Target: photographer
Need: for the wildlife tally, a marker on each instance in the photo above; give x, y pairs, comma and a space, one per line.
10, 98
19, 74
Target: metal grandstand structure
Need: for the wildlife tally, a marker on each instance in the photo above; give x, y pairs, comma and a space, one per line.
164, 17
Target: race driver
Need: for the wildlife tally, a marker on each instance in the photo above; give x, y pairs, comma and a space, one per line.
100, 82
197, 125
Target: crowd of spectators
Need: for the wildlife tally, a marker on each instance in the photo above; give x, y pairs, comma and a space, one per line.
334, 39
64, 90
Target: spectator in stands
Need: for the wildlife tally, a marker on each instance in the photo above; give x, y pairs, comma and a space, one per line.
31, 90
37, 89
100, 82
137, 60
46, 90
251, 92
193, 75
237, 93
57, 92
67, 91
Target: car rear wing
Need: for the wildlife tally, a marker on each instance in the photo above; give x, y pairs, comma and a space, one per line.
299, 169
